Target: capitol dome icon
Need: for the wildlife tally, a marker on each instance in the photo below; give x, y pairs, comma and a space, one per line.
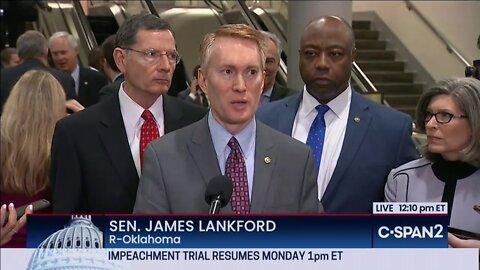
77, 246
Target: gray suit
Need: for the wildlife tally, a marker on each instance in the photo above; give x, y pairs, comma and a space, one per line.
179, 166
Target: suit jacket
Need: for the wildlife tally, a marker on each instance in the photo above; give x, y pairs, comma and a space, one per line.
10, 76
185, 95
179, 166
92, 166
90, 83
279, 91
378, 141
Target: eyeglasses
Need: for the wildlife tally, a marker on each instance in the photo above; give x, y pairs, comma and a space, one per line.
152, 56
442, 117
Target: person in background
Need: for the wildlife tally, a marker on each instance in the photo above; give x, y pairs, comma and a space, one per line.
111, 70
229, 141
9, 57
194, 94
97, 155
88, 82
449, 171
26, 137
356, 141
32, 49
95, 59
272, 90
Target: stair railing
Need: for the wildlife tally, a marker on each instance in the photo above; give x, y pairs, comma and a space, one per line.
450, 48
364, 82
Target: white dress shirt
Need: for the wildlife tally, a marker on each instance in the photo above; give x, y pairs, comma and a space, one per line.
246, 139
133, 121
76, 77
336, 125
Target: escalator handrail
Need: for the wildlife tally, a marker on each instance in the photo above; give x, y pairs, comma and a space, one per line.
275, 22
85, 25
151, 8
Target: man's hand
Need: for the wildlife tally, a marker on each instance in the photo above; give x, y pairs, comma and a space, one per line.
74, 105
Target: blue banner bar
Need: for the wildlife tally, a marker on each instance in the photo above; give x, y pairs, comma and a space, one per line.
207, 231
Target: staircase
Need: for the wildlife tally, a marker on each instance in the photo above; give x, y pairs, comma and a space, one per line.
387, 74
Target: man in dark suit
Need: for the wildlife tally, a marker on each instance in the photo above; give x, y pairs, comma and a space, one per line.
97, 153
272, 90
88, 82
33, 51
229, 141
363, 140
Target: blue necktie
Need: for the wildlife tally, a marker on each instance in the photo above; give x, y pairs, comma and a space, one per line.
316, 135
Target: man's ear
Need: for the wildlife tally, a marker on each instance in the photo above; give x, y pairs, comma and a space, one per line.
202, 80
120, 57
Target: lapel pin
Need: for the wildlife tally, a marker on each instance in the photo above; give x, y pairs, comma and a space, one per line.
267, 160
356, 119
86, 83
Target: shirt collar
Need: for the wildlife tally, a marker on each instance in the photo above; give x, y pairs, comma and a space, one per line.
338, 105
268, 93
220, 136
76, 73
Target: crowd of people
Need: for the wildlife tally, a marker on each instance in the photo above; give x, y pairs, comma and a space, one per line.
115, 142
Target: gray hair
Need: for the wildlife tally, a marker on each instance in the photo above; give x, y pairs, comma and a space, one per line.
72, 42
31, 44
465, 92
275, 40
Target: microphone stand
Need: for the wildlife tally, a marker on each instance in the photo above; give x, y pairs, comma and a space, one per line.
215, 205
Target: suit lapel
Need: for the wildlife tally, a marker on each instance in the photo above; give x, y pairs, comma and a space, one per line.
354, 137
82, 95
285, 122
277, 92
264, 149
114, 138
203, 153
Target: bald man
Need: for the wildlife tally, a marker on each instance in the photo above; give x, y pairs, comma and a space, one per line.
358, 141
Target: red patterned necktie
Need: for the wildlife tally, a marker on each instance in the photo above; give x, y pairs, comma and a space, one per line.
149, 132
236, 169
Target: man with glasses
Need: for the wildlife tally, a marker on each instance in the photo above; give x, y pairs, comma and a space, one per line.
97, 155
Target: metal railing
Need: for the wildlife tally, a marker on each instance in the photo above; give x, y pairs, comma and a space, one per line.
450, 48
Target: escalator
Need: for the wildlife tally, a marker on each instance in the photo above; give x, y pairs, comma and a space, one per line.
105, 19
190, 25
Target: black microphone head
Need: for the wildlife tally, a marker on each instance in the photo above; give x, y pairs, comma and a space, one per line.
220, 185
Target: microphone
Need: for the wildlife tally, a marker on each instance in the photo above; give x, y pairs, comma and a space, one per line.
218, 193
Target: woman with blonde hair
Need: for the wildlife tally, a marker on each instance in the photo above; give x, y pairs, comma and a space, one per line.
35, 104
